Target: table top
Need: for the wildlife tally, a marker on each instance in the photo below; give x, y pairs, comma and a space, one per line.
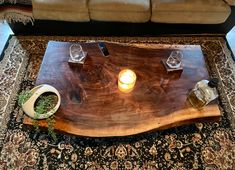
92, 105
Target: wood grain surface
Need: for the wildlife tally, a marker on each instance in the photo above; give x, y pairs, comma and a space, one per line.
93, 106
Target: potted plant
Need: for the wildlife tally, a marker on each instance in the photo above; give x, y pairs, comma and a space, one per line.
41, 102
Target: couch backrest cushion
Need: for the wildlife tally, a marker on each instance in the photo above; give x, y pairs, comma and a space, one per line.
230, 2
190, 11
189, 5
65, 10
117, 5
120, 10
63, 5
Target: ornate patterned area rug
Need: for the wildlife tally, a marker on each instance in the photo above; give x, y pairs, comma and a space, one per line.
197, 146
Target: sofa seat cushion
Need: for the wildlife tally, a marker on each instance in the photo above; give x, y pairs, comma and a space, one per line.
190, 11
120, 10
65, 10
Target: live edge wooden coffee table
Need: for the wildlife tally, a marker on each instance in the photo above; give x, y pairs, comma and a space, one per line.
92, 104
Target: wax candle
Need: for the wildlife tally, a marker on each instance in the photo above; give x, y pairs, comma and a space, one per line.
126, 80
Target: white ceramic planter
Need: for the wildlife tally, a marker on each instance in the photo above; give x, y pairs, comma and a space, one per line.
28, 106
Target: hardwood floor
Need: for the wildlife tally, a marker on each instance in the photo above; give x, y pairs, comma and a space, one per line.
5, 32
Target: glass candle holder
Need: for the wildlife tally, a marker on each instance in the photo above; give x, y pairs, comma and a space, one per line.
126, 80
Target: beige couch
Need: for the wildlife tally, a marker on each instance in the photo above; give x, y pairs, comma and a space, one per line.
135, 11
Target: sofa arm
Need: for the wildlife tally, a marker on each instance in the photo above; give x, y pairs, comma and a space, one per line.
230, 2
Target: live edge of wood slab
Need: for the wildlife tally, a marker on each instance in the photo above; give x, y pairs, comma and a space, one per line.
93, 106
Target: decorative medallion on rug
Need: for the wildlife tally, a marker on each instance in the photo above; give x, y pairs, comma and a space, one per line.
198, 146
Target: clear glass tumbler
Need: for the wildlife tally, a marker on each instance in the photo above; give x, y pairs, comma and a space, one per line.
76, 53
174, 60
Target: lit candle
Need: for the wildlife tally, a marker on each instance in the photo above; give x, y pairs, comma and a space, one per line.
126, 80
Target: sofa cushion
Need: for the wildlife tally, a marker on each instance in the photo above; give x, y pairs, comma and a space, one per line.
231, 2
67, 10
190, 11
120, 10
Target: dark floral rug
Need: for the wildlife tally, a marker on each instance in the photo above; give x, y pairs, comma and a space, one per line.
197, 146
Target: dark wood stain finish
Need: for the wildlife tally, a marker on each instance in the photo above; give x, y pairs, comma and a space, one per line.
92, 105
